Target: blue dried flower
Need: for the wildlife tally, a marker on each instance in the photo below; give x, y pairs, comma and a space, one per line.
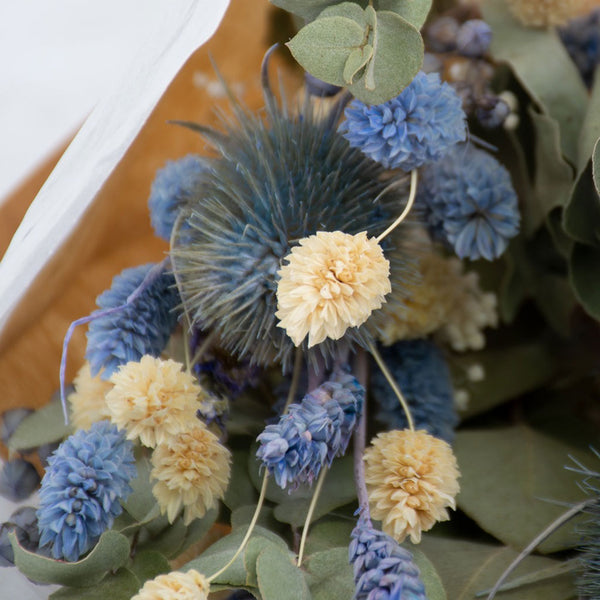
473, 38
313, 432
382, 569
81, 491
278, 178
419, 369
469, 202
172, 187
581, 38
142, 327
416, 127
18, 479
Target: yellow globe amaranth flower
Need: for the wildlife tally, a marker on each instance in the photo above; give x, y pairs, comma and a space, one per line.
153, 399
192, 472
411, 479
445, 301
176, 585
88, 401
333, 281
545, 13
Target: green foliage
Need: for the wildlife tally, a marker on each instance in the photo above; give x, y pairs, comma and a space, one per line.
278, 578
147, 564
44, 426
141, 504
374, 52
467, 568
511, 478
111, 553
584, 269
121, 585
329, 533
241, 490
330, 574
434, 587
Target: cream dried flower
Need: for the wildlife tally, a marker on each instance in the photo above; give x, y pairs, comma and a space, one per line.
411, 478
545, 13
175, 586
192, 472
153, 399
88, 403
333, 280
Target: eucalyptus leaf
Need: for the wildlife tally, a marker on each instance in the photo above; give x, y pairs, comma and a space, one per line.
581, 218
147, 564
466, 568
141, 502
526, 49
110, 553
307, 9
240, 490
121, 585
327, 534
170, 540
255, 546
280, 579
198, 528
330, 574
349, 10
584, 271
44, 426
323, 47
596, 166
397, 57
434, 588
357, 59
512, 478
414, 11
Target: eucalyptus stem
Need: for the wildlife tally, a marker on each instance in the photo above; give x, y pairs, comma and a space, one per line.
261, 499
393, 384
295, 379
411, 200
360, 441
311, 510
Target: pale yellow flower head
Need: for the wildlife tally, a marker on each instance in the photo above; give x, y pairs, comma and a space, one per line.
175, 586
411, 480
153, 399
192, 470
332, 281
545, 13
88, 403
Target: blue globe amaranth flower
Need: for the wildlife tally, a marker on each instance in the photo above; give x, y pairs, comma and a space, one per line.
468, 201
81, 491
416, 127
173, 185
581, 38
419, 369
382, 569
473, 38
142, 327
313, 432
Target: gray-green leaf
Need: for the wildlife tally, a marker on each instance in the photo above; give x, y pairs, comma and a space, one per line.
279, 578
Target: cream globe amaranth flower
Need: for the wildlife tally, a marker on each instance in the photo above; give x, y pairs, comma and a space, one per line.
412, 480
175, 585
153, 399
332, 281
88, 400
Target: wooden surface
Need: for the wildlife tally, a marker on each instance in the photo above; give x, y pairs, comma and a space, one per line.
116, 231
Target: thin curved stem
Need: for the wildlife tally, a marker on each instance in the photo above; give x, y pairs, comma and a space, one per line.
411, 200
360, 441
393, 384
261, 499
295, 379
202, 348
311, 510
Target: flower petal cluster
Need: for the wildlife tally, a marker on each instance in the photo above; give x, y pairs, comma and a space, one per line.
175, 585
382, 569
581, 38
85, 481
446, 301
469, 202
173, 185
418, 126
544, 13
153, 399
192, 471
419, 369
142, 327
411, 479
332, 281
312, 432
88, 400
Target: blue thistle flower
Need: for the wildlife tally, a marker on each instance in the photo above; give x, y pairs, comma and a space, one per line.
81, 491
142, 327
473, 38
419, 369
277, 179
382, 569
581, 38
172, 186
469, 202
416, 127
313, 432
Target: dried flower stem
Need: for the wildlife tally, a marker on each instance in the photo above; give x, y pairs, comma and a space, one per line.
393, 384
409, 205
295, 379
311, 510
569, 514
261, 499
202, 349
360, 440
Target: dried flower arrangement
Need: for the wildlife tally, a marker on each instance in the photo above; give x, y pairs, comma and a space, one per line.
335, 266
